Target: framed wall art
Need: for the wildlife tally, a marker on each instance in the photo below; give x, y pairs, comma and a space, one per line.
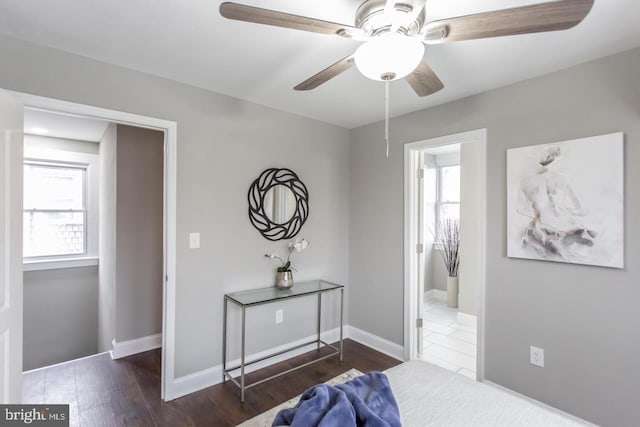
565, 201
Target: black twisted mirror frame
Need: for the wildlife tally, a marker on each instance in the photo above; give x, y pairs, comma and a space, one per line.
258, 216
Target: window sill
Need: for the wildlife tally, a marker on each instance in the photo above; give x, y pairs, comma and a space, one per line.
54, 264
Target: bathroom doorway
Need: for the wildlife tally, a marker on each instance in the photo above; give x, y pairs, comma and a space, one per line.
444, 221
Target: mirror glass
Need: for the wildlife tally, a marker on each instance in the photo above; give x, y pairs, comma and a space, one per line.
279, 204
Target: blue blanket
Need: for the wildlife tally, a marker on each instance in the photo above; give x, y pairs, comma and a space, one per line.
365, 401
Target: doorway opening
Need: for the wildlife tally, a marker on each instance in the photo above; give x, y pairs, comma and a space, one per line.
161, 135
445, 221
92, 239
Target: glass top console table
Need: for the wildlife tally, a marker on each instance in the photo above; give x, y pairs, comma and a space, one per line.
248, 299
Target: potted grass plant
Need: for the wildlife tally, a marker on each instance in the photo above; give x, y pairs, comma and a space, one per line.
449, 240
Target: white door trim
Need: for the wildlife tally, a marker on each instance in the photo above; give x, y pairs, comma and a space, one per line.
410, 258
11, 323
170, 130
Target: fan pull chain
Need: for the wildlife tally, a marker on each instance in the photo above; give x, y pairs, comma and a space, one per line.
386, 114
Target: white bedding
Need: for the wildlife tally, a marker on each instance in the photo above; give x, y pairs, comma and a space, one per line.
428, 395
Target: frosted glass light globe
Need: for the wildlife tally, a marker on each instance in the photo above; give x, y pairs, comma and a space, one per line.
389, 56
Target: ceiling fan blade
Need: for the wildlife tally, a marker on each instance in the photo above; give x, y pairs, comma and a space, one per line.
240, 12
327, 74
553, 16
424, 81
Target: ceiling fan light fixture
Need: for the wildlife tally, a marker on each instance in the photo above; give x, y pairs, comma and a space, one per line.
390, 56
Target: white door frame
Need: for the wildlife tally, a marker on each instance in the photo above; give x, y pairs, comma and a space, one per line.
411, 152
11, 248
170, 130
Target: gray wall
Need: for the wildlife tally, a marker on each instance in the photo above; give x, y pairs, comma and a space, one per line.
107, 238
585, 318
430, 189
60, 315
223, 144
471, 178
439, 271
139, 232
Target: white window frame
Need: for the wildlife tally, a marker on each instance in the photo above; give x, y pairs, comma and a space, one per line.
63, 165
37, 154
442, 161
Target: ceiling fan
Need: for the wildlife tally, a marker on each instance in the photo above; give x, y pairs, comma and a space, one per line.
394, 33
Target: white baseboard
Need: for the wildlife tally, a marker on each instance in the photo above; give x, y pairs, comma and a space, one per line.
467, 319
64, 363
191, 383
138, 345
196, 381
538, 403
375, 342
436, 294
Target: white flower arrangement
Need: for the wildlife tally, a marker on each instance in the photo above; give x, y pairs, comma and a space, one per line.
297, 245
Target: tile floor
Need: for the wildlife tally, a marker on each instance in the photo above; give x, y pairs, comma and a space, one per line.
448, 343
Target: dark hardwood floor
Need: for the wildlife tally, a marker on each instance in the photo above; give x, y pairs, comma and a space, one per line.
126, 392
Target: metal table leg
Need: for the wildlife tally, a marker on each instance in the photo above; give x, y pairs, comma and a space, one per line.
341, 319
224, 339
319, 316
242, 388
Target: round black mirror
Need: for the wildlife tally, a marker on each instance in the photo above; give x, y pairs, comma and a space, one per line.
278, 204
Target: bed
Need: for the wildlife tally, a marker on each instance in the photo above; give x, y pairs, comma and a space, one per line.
428, 395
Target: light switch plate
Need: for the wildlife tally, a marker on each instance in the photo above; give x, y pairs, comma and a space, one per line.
194, 240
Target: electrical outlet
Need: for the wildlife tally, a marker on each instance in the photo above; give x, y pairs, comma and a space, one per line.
536, 356
279, 316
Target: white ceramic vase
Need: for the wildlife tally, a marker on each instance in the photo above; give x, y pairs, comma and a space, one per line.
452, 292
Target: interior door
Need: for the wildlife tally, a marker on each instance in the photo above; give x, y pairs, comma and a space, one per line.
11, 129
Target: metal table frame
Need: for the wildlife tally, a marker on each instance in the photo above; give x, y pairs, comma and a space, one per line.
226, 372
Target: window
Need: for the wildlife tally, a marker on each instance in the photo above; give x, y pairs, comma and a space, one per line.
448, 200
55, 213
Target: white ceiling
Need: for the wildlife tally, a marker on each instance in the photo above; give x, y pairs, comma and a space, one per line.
443, 149
190, 42
37, 122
